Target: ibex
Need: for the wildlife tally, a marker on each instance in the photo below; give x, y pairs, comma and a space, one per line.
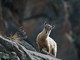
44, 41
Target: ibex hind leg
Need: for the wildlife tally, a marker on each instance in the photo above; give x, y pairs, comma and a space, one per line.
39, 48
53, 53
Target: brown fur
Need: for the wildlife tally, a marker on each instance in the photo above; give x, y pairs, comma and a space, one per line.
44, 45
45, 42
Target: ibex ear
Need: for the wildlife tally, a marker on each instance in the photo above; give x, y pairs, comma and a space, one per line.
45, 23
53, 26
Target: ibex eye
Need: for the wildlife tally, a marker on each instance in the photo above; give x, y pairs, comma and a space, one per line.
48, 26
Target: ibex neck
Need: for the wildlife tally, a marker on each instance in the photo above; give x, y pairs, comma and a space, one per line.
47, 33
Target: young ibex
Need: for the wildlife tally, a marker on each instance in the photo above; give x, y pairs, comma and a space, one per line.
44, 41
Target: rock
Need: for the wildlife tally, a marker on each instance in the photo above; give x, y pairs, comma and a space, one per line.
2, 48
37, 56
27, 45
14, 56
4, 56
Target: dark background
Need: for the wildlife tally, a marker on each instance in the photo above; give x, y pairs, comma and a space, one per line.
31, 15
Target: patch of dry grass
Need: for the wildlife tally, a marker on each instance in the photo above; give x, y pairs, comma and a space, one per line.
15, 37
